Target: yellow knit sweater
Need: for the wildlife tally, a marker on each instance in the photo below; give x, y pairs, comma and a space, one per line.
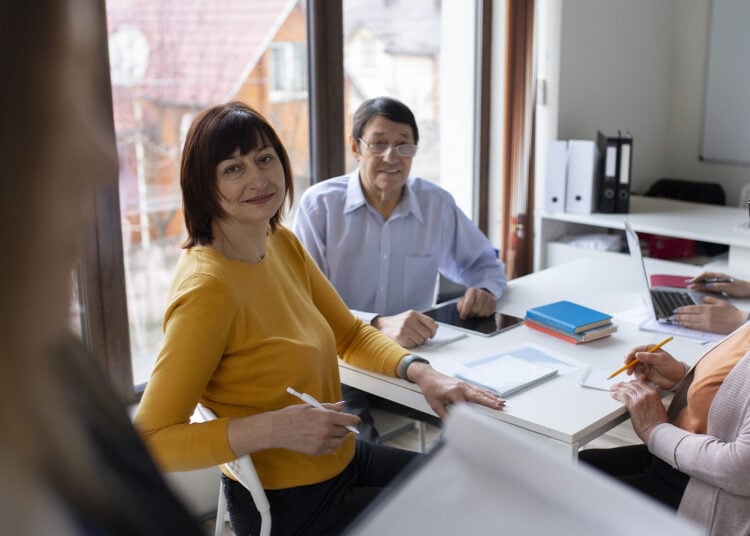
236, 336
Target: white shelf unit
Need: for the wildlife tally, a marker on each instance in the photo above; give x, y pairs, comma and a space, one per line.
680, 219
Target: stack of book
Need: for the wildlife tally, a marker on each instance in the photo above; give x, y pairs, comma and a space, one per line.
570, 322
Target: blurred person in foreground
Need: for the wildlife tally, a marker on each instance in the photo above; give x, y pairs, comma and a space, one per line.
70, 460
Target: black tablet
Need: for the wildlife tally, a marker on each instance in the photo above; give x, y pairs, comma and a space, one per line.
447, 313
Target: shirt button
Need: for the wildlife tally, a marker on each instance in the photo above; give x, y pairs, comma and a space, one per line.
385, 256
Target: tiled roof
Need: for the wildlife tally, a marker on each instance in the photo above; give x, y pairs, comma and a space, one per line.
200, 51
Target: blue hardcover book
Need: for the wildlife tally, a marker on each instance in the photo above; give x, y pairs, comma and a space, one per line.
568, 316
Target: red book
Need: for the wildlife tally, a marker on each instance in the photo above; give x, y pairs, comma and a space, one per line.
664, 280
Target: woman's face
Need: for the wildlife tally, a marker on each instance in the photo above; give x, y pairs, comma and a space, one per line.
383, 177
251, 186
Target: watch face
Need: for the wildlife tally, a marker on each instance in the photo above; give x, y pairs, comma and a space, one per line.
486, 325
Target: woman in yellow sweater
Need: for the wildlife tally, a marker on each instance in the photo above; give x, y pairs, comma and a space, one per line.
249, 315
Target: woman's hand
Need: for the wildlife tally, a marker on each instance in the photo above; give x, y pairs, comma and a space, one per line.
737, 288
440, 390
713, 315
644, 404
299, 427
658, 367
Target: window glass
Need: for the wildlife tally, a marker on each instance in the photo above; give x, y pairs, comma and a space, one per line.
405, 49
169, 60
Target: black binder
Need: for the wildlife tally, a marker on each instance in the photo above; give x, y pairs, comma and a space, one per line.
625, 159
609, 148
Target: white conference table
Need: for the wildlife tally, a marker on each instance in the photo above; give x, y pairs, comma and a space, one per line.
558, 412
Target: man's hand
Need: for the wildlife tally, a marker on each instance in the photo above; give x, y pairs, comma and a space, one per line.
409, 329
440, 390
714, 315
644, 404
476, 302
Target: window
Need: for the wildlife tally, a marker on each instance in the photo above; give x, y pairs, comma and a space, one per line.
169, 60
407, 49
288, 71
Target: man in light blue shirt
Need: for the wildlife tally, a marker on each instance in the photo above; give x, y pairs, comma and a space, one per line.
382, 237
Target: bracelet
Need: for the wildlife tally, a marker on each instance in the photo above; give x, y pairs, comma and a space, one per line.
404, 364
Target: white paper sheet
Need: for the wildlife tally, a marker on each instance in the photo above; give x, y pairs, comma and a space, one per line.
597, 379
444, 335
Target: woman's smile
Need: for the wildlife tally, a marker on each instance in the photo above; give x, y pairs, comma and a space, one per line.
259, 199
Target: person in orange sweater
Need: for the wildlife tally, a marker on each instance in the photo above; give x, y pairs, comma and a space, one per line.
250, 314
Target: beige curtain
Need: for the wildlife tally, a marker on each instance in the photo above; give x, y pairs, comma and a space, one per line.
518, 173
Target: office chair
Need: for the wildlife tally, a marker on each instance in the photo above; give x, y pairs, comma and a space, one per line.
243, 470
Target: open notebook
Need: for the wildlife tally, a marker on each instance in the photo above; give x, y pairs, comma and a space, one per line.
513, 370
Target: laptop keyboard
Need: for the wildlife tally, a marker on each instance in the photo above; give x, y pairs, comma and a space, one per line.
666, 302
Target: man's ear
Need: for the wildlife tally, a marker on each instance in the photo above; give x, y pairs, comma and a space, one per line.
354, 144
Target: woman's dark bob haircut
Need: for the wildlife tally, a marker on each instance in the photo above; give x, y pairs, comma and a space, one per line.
213, 136
392, 109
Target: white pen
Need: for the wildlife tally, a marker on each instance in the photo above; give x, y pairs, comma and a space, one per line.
314, 403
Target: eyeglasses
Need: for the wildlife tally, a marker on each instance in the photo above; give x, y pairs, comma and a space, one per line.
383, 149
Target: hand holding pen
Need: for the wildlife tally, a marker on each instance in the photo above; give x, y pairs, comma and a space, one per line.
635, 361
720, 283
309, 400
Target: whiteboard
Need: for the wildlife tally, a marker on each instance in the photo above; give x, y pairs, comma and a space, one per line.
726, 120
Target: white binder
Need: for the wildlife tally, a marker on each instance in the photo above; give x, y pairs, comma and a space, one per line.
581, 194
555, 176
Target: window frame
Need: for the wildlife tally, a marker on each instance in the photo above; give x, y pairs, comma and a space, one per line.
102, 274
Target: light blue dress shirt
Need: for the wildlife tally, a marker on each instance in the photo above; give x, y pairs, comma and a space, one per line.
389, 266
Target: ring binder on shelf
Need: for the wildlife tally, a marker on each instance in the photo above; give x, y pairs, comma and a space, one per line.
555, 176
608, 172
581, 190
614, 172
622, 205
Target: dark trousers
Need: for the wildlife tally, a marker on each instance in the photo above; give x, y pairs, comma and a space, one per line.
324, 508
636, 466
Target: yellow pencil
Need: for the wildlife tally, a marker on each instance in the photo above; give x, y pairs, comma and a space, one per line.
654, 348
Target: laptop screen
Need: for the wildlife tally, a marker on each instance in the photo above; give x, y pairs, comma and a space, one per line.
634, 246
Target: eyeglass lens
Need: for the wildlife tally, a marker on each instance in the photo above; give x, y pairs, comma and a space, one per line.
383, 149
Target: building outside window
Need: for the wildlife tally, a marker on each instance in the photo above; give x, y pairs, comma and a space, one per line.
171, 59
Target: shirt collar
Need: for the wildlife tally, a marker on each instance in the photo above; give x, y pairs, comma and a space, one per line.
355, 198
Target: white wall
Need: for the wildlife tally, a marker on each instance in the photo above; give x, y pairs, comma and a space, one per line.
639, 65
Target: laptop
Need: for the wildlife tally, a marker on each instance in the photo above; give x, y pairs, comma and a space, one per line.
664, 300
